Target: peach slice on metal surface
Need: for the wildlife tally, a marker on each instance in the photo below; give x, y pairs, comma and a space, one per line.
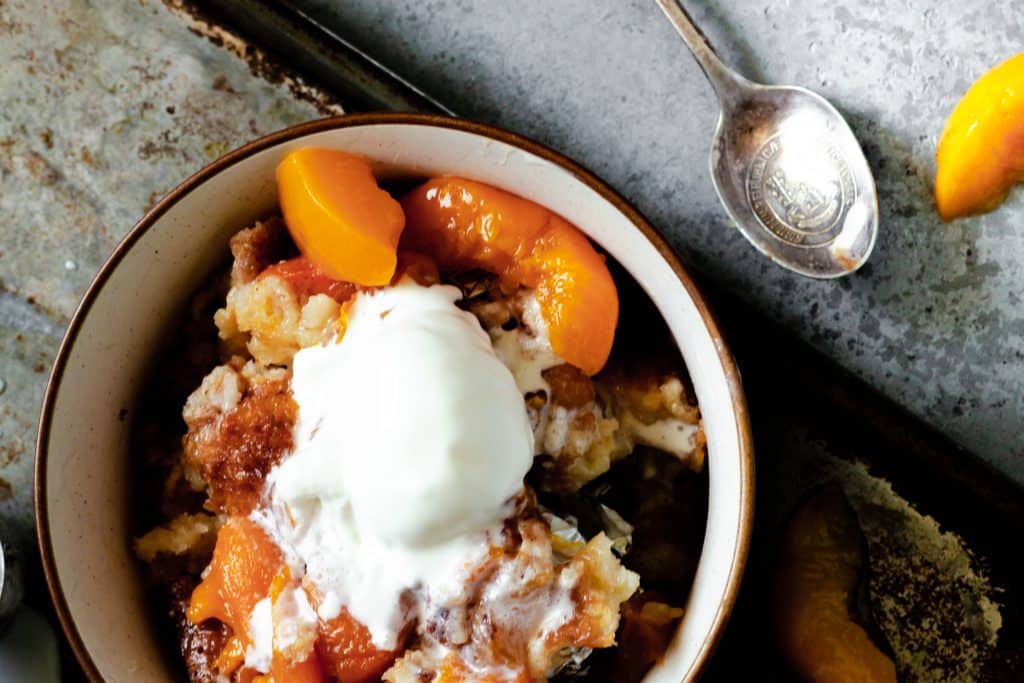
981, 153
816, 579
468, 225
338, 215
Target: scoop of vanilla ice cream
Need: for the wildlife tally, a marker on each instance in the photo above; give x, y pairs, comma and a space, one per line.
411, 439
414, 416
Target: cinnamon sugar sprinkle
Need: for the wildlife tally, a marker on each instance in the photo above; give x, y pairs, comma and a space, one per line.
930, 596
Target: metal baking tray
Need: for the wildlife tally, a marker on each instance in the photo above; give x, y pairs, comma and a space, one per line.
943, 573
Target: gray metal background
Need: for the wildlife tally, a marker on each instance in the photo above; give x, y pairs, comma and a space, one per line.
935, 320
106, 106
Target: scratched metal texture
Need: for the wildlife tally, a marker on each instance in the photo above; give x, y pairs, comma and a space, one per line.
61, 210
935, 320
104, 106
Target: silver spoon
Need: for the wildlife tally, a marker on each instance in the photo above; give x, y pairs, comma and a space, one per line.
787, 168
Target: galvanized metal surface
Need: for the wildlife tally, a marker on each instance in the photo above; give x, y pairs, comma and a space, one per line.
935, 319
103, 108
787, 168
83, 155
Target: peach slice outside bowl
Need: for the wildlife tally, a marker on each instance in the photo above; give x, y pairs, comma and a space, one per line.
82, 481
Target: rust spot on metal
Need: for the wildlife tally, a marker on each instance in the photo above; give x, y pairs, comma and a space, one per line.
165, 144
260, 63
221, 83
846, 262
40, 168
11, 452
47, 137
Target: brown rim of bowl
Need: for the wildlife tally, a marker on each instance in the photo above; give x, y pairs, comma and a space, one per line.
737, 397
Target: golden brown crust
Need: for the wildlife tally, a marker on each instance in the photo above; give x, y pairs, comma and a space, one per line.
646, 630
234, 450
257, 247
603, 585
650, 394
267, 320
570, 386
528, 613
200, 643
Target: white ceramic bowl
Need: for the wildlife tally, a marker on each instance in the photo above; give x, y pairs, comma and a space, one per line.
108, 354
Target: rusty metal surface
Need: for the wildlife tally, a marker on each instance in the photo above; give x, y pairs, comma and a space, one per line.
103, 108
358, 80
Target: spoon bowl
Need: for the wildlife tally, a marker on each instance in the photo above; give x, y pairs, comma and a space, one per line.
787, 168
792, 176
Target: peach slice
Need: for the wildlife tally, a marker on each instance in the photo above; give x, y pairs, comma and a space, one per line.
245, 562
247, 567
815, 582
338, 215
981, 153
465, 225
309, 670
347, 651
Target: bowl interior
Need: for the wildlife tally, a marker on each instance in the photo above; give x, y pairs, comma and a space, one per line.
109, 354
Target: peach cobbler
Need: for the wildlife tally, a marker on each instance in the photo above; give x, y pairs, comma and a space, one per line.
421, 444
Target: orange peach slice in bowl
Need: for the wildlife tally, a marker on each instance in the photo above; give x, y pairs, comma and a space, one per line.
465, 225
350, 229
338, 216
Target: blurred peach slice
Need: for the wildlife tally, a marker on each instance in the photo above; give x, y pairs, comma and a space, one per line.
981, 153
816, 580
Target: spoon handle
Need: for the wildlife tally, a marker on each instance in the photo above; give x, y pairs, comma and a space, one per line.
728, 85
